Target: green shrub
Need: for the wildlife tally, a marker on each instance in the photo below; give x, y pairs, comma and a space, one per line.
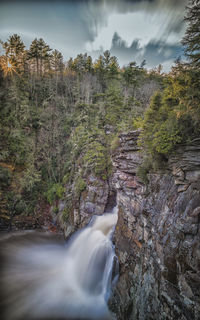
30, 179
4, 155
65, 213
114, 144
166, 137
20, 207
66, 177
55, 209
55, 191
80, 186
5, 177
174, 114
152, 163
138, 122
96, 159
144, 169
18, 146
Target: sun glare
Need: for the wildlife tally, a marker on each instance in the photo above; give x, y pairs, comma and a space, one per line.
7, 66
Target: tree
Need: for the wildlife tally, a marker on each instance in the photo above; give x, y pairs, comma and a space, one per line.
34, 54
39, 52
191, 41
44, 56
14, 46
113, 68
99, 66
80, 63
57, 65
89, 66
15, 54
106, 58
111, 65
57, 61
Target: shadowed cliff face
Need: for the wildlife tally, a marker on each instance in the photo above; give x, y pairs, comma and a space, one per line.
94, 200
157, 235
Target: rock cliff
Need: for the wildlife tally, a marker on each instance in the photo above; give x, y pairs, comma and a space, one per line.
93, 200
157, 235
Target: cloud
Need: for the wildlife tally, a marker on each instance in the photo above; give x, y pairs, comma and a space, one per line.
148, 29
150, 19
63, 24
154, 53
98, 7
76, 26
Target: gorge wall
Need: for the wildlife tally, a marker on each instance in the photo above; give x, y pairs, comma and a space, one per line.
157, 235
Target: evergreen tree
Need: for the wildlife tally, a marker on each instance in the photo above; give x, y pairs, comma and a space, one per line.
191, 41
89, 65
14, 46
57, 61
45, 55
39, 53
111, 65
106, 58
99, 66
34, 54
15, 54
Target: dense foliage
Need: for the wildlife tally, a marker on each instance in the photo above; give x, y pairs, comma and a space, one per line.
59, 121
173, 117
174, 114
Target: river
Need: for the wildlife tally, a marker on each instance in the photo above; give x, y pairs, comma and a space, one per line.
45, 277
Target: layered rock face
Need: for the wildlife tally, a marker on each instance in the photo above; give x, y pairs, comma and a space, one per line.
157, 236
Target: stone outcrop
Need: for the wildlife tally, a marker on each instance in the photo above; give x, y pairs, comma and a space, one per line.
92, 201
157, 236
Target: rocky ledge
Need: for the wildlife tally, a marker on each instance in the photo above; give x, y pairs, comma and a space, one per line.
157, 236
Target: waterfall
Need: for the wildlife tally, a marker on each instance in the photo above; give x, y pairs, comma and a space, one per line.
47, 280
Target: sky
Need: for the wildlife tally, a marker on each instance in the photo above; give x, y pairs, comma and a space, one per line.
133, 30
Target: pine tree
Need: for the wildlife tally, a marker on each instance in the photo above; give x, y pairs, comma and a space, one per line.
39, 52
106, 58
14, 46
191, 41
113, 68
57, 61
34, 54
89, 66
15, 54
45, 55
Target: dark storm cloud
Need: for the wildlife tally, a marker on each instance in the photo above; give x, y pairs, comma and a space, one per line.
163, 46
154, 52
102, 8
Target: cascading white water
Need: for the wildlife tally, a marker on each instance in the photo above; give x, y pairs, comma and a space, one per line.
62, 282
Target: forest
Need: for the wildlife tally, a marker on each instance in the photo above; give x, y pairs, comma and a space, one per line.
60, 120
